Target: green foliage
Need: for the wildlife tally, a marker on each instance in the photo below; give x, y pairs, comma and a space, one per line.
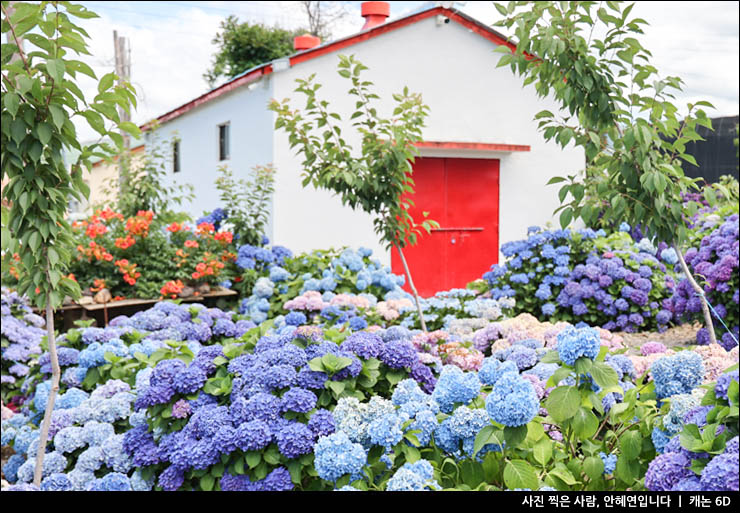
632, 136
247, 202
40, 96
142, 184
375, 180
724, 412
242, 46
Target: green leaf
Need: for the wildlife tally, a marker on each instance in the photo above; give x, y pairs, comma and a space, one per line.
253, 458
520, 474
58, 115
130, 127
584, 423
583, 365
566, 216
562, 473
594, 467
106, 82
56, 68
44, 132
487, 435
630, 444
563, 403
542, 451
603, 375
207, 482
11, 102
514, 435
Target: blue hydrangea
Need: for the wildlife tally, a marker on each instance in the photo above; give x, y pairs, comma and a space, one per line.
723, 384
336, 455
253, 435
660, 439
294, 439
721, 473
666, 470
513, 401
298, 400
386, 430
574, 343
610, 462
56, 483
492, 369
455, 386
413, 477
677, 374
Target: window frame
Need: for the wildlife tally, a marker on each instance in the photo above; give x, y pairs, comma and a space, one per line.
223, 146
176, 166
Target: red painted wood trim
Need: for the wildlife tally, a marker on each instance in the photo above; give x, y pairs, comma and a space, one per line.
472, 146
215, 93
266, 69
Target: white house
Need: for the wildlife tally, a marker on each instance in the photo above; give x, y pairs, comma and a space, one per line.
484, 165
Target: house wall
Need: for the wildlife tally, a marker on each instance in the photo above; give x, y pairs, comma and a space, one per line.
103, 175
470, 100
251, 142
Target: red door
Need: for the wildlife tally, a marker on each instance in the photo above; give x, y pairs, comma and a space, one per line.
462, 196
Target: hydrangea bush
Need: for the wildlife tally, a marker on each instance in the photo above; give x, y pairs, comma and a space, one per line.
86, 450
21, 335
714, 263
700, 453
279, 277
565, 422
585, 276
246, 415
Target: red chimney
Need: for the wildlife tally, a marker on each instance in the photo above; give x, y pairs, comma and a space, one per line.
305, 42
375, 13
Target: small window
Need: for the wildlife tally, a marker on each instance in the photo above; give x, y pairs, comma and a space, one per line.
223, 141
176, 157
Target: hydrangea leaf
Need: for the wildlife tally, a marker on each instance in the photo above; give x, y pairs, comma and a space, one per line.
563, 403
520, 474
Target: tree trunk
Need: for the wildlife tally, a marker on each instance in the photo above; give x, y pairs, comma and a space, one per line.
413, 289
55, 374
700, 291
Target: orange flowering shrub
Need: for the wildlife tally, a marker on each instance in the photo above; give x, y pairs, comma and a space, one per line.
140, 256
172, 289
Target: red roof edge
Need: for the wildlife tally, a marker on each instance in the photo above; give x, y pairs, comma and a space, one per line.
447, 145
211, 95
465, 20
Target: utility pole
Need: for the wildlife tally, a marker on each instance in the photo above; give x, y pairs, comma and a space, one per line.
122, 52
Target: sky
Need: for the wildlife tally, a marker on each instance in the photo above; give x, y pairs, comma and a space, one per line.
171, 44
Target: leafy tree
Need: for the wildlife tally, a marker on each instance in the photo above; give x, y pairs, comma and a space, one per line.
247, 202
616, 108
242, 46
40, 97
374, 181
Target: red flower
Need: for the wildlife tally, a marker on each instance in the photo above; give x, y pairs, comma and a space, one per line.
191, 244
225, 237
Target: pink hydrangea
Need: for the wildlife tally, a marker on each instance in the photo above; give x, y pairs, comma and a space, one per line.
391, 309
467, 358
6, 412
652, 347
350, 300
309, 300
642, 363
716, 360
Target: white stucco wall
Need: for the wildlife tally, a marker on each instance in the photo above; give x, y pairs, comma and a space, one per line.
251, 142
470, 101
